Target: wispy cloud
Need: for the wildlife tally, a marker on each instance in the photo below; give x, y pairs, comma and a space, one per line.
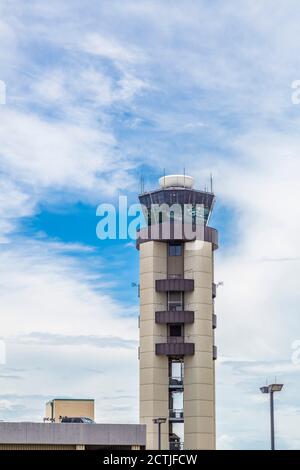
40, 338
109, 48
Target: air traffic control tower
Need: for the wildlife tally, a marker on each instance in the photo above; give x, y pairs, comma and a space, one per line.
177, 320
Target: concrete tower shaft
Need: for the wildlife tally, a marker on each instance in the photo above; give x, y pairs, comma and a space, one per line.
177, 320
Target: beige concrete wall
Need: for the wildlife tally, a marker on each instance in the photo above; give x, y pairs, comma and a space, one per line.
153, 369
199, 377
71, 408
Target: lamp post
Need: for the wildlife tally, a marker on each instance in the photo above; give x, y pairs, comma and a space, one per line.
271, 389
159, 422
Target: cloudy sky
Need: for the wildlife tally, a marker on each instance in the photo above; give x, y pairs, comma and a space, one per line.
98, 93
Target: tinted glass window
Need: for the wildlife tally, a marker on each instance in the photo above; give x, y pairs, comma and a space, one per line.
87, 420
174, 296
175, 330
175, 250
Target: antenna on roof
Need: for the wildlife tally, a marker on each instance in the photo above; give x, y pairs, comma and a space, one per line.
211, 183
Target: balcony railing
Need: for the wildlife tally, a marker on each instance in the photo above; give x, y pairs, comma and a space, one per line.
175, 339
174, 316
176, 414
174, 349
175, 445
175, 306
171, 285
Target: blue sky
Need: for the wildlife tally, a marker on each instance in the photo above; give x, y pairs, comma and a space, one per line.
98, 93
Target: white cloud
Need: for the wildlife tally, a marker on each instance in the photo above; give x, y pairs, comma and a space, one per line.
50, 87
58, 328
243, 411
57, 133
109, 48
262, 188
226, 442
45, 153
33, 272
39, 156
14, 203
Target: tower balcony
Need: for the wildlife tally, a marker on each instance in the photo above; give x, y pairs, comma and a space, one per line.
175, 339
174, 316
174, 285
174, 349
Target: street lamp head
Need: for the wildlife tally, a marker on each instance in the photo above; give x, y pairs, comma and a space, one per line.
159, 420
271, 388
275, 387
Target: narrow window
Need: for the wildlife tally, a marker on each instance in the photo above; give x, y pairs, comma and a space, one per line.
175, 330
175, 249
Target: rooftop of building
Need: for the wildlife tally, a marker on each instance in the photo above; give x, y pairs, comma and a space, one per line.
70, 399
73, 434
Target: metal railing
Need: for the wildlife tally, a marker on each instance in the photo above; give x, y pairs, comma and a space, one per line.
175, 306
176, 414
176, 381
175, 445
175, 339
